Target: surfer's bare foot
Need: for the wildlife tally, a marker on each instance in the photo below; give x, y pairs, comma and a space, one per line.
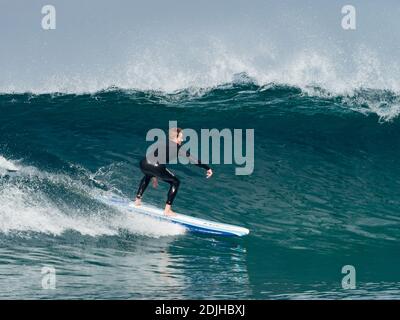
168, 211
138, 202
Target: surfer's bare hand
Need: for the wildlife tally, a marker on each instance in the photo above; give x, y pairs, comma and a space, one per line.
155, 182
209, 173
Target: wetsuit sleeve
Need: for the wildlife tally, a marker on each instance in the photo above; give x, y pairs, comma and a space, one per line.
195, 161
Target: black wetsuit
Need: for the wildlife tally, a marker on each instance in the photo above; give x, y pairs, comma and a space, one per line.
151, 167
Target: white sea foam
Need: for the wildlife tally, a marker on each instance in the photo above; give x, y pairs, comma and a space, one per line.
26, 207
7, 165
168, 69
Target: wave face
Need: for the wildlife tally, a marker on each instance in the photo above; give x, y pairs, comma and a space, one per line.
324, 191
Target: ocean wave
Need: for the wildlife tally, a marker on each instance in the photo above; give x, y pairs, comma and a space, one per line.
35, 201
214, 63
244, 92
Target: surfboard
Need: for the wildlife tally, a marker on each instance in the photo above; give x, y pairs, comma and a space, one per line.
192, 224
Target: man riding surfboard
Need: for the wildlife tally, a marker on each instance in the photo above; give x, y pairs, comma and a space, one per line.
153, 169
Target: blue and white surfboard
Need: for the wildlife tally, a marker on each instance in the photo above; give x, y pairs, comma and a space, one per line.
190, 223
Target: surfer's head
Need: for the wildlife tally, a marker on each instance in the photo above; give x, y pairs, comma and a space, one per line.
176, 135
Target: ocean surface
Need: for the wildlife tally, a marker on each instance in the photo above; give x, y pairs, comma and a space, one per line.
325, 193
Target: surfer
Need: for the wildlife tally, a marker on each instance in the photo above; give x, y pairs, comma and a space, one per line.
153, 169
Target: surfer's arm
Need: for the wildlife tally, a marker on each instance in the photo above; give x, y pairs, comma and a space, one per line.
195, 161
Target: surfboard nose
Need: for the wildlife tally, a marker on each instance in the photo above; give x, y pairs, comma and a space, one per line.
242, 231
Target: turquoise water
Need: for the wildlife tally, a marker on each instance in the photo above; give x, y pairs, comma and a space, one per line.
324, 193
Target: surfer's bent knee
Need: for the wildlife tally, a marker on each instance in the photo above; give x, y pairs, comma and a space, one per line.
176, 182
